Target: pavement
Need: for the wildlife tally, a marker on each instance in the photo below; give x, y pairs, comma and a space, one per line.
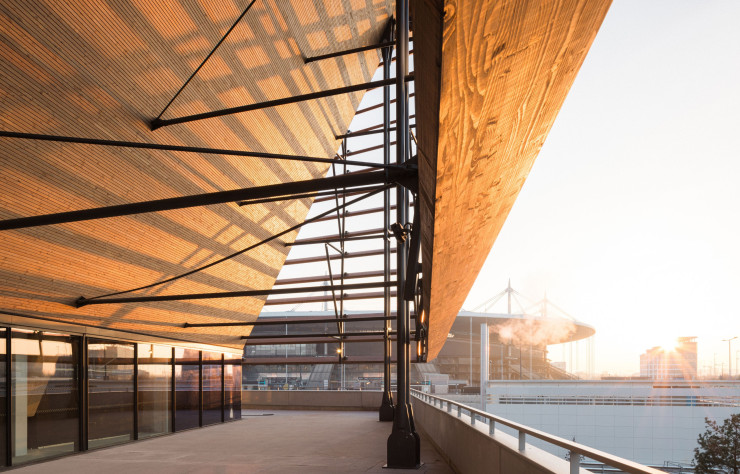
276, 441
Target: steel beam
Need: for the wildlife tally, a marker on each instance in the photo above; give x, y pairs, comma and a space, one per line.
349, 180
82, 301
178, 148
158, 123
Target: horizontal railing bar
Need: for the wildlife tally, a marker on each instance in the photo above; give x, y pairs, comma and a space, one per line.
349, 51
319, 278
345, 239
366, 253
281, 322
301, 336
289, 197
371, 131
321, 299
606, 458
377, 106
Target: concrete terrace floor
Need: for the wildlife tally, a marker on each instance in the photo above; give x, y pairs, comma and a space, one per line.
278, 441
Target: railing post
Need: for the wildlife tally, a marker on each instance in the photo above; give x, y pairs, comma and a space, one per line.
522, 440
459, 411
449, 406
491, 426
575, 462
472, 419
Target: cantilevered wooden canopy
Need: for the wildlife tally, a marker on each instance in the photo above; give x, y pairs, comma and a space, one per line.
491, 77
104, 70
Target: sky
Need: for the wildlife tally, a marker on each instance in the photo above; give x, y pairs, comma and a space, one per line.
630, 217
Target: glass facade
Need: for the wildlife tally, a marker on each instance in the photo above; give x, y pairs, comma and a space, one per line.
71, 393
155, 390
110, 382
187, 388
212, 393
44, 395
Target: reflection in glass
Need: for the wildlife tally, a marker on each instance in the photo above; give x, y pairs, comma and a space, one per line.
45, 398
233, 386
111, 393
155, 384
211, 394
186, 396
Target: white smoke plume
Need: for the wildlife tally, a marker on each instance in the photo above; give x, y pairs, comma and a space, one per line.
535, 331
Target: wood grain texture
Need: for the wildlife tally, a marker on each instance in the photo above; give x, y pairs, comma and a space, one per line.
506, 69
103, 69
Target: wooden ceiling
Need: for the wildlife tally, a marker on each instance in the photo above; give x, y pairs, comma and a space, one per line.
490, 80
105, 69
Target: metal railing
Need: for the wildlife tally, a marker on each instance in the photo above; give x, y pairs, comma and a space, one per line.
576, 450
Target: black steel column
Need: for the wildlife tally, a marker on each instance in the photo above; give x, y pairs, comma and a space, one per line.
223, 389
404, 448
173, 393
136, 390
200, 388
83, 392
8, 399
386, 410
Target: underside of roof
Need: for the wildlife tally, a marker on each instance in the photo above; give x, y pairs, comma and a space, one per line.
104, 70
491, 76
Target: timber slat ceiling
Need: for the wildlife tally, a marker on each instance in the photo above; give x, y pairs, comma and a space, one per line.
99, 69
506, 67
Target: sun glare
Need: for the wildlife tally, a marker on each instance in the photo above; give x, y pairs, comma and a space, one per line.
669, 345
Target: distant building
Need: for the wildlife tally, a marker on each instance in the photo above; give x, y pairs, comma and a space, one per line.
679, 363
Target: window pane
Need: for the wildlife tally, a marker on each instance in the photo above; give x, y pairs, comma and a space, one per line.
211, 394
186, 396
155, 385
44, 381
111, 393
233, 385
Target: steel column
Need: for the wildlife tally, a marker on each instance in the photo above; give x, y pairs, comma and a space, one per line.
200, 388
136, 391
8, 399
387, 410
173, 394
83, 388
404, 447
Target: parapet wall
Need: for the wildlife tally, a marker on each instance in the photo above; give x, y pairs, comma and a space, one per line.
311, 399
471, 449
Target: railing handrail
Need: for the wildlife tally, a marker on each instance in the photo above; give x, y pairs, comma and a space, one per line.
580, 449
